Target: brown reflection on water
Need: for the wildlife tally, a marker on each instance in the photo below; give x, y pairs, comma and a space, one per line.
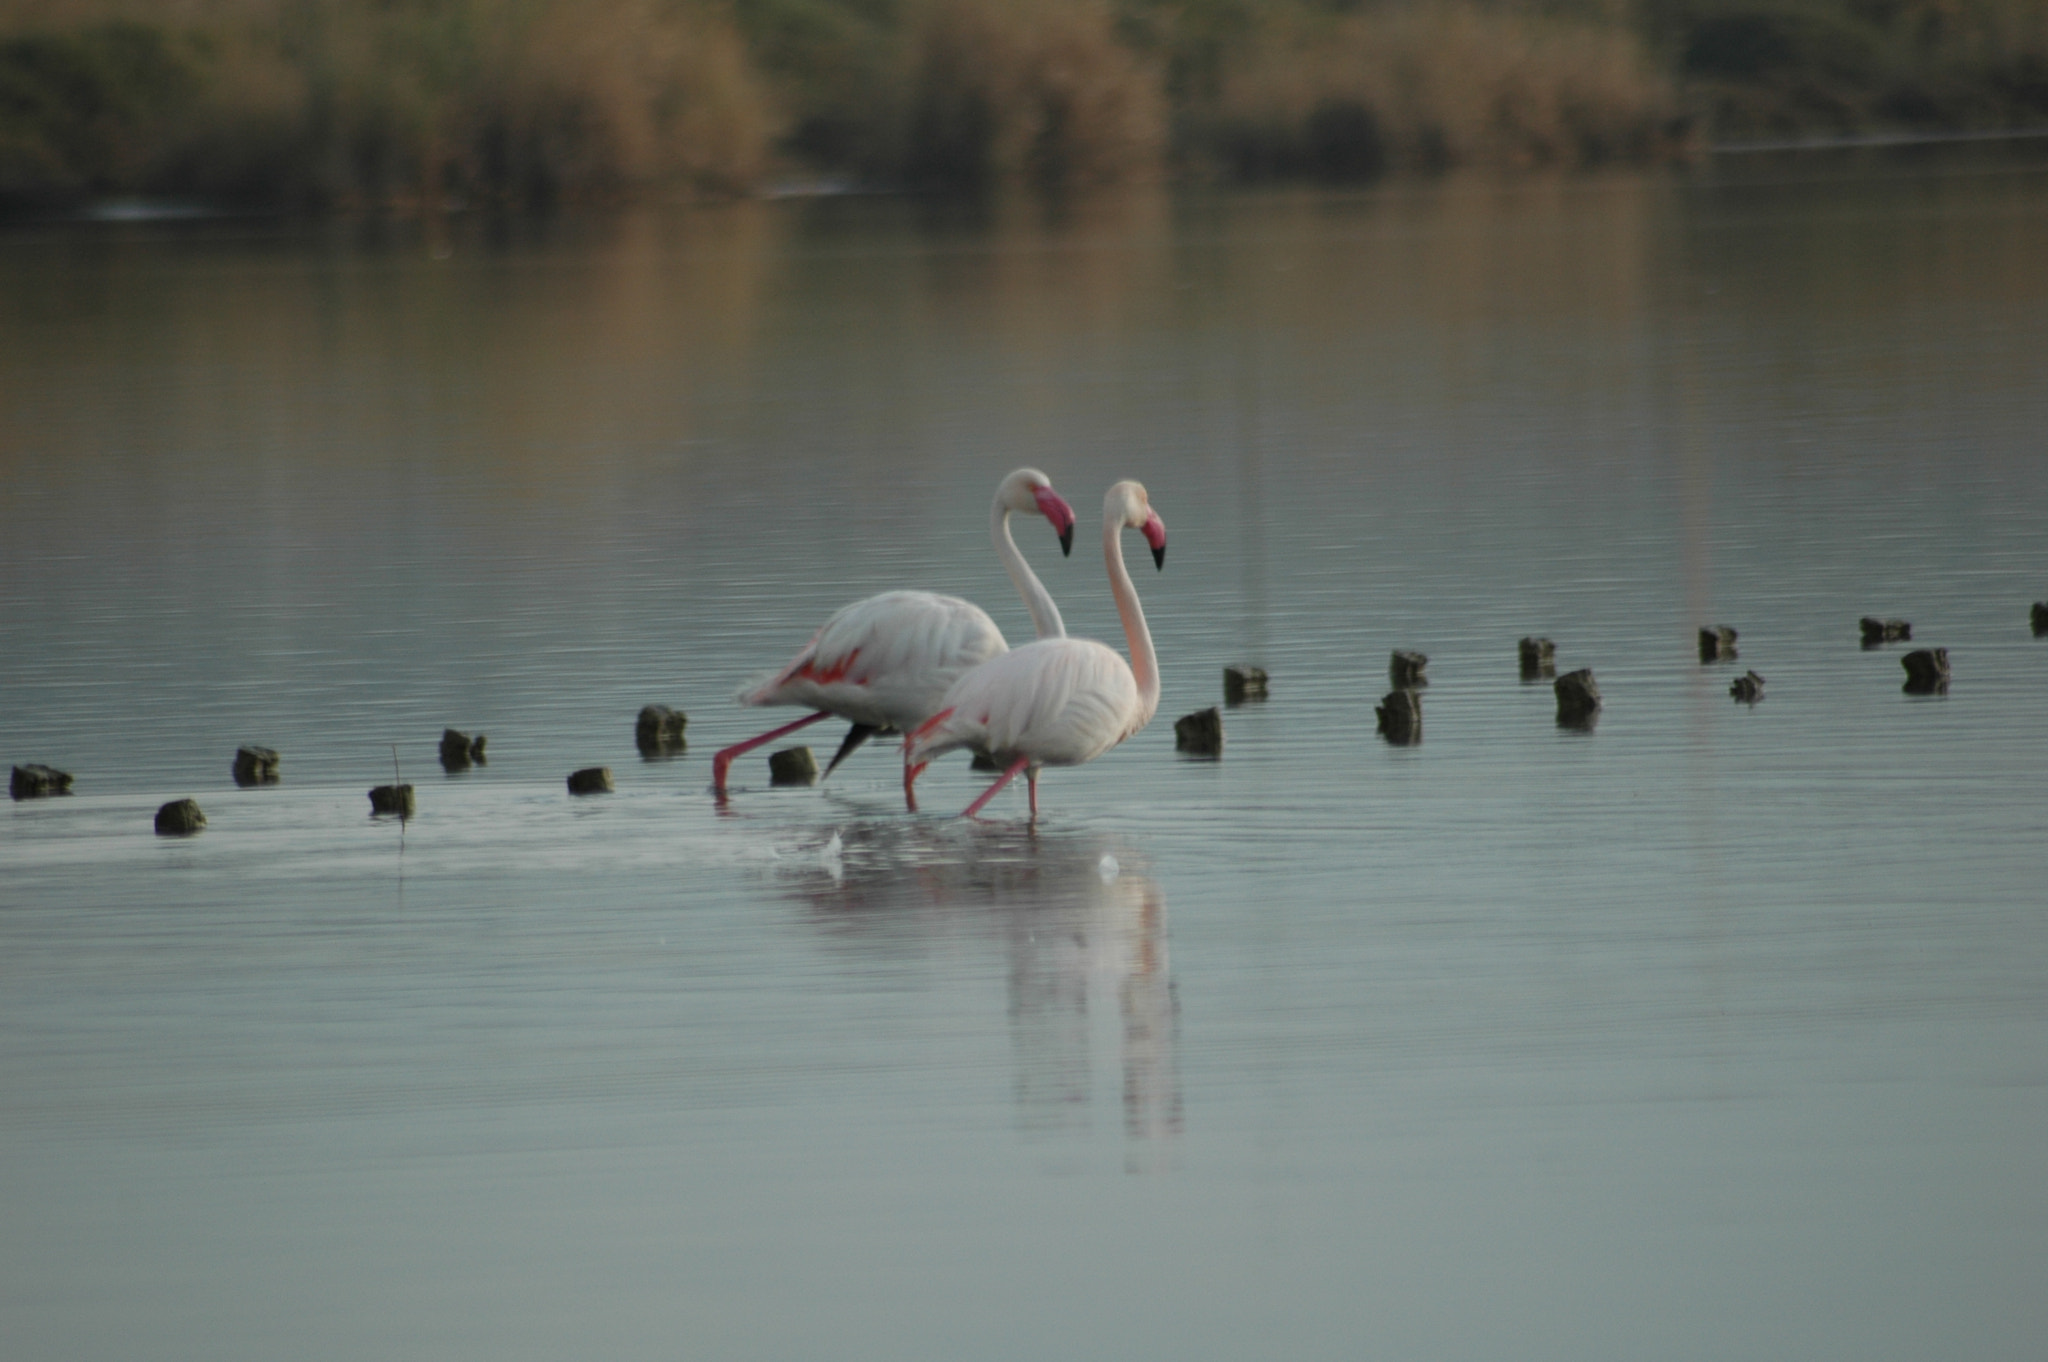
1088, 971
526, 358
1441, 296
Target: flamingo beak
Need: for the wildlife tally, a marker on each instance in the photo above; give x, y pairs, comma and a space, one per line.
1054, 508
1155, 535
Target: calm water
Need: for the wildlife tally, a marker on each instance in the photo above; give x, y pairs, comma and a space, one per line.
1715, 1032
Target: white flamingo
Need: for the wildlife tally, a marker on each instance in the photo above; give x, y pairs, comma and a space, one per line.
884, 663
1058, 701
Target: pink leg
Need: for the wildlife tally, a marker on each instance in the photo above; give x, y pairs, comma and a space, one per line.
1019, 764
722, 763
910, 775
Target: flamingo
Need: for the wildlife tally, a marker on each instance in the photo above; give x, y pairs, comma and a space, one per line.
885, 662
1059, 701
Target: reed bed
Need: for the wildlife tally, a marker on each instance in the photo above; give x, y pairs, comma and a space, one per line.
1796, 67
424, 102
1041, 91
325, 101
1432, 86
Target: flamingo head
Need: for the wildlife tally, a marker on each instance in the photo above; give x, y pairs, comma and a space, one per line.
1128, 507
1027, 489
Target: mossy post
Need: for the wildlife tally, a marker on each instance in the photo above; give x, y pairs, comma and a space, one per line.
255, 765
591, 780
658, 732
36, 781
1400, 718
1926, 671
1242, 682
1578, 699
1199, 734
459, 751
793, 766
179, 818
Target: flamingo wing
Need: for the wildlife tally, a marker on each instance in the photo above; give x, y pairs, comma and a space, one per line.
1058, 701
885, 661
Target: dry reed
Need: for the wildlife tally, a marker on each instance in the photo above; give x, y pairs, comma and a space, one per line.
323, 100
1433, 86
524, 101
1800, 66
1039, 91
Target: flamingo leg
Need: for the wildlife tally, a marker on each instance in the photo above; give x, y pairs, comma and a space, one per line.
722, 763
910, 775
1020, 764
1031, 779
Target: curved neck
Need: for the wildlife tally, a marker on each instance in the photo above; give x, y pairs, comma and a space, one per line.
1045, 616
1144, 663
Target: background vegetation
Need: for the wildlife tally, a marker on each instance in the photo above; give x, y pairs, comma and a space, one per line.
340, 102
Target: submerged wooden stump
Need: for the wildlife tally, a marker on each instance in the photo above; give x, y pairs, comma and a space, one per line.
1926, 671
36, 781
659, 730
1538, 657
1404, 669
459, 751
1242, 683
179, 818
1748, 688
591, 780
793, 766
255, 765
1877, 631
1400, 718
1199, 734
1578, 699
1717, 643
392, 799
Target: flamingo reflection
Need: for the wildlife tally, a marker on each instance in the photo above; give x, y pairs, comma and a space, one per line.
1084, 931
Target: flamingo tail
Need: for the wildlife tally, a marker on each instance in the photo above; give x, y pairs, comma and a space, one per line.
855, 736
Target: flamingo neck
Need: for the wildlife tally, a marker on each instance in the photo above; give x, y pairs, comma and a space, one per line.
1045, 616
1144, 663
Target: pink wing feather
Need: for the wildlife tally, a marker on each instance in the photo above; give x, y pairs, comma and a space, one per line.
886, 660
1062, 701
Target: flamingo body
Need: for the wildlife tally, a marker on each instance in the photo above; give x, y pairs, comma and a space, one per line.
1057, 701
886, 662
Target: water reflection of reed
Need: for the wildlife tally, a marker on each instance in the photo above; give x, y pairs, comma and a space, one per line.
524, 359
1082, 931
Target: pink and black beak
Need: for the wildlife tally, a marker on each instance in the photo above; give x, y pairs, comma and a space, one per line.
1054, 507
1155, 535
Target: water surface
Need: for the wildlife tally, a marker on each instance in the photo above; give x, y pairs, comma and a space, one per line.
1714, 1031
